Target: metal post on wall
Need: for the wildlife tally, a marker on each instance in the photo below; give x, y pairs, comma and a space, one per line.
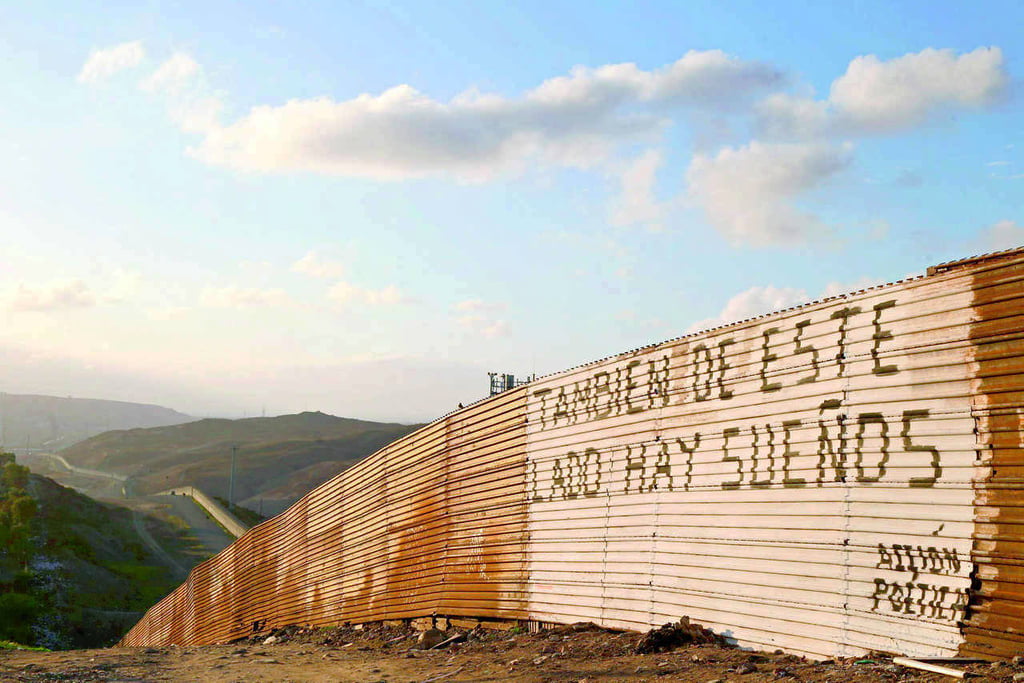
231, 481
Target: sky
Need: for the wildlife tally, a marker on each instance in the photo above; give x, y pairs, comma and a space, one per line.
238, 208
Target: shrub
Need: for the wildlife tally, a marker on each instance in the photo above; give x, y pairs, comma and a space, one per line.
17, 612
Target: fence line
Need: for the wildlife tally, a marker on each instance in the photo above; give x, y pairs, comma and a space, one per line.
221, 514
838, 477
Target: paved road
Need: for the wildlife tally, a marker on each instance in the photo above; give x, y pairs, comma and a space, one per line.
139, 522
210, 534
92, 483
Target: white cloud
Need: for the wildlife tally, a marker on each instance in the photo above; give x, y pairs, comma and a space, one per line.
314, 265
346, 292
58, 296
575, 120
198, 113
753, 302
484, 325
479, 306
343, 293
104, 63
233, 296
256, 269
747, 192
789, 116
124, 285
757, 301
386, 296
168, 313
902, 92
175, 74
836, 288
877, 96
193, 105
1004, 234
482, 317
637, 203
499, 328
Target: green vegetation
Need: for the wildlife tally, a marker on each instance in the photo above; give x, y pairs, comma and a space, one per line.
149, 582
18, 611
176, 536
72, 571
17, 510
246, 516
11, 645
177, 523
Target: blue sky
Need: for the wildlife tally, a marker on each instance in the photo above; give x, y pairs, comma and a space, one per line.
363, 207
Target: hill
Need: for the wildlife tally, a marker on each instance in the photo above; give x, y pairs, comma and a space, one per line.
52, 422
278, 459
73, 572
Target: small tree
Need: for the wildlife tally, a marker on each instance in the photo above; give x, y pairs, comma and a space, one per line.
22, 509
17, 613
17, 511
14, 477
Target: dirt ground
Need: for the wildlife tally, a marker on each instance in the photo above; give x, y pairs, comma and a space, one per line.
578, 654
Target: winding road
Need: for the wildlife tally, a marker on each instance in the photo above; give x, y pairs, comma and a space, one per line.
116, 488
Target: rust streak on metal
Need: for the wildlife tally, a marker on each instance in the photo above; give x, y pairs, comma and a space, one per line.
838, 477
995, 625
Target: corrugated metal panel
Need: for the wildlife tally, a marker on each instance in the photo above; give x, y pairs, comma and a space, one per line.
837, 477
996, 624
432, 524
782, 480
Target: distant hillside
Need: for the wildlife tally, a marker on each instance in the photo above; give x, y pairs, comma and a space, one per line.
54, 422
83, 576
279, 458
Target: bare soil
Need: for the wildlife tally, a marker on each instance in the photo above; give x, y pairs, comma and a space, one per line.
580, 654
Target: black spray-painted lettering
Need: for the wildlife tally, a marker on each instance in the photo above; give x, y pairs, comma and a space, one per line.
643, 476
878, 337
606, 393
864, 422
911, 447
768, 356
831, 442
918, 559
843, 315
806, 348
727, 434
625, 389
577, 475
769, 459
709, 369
919, 599
788, 453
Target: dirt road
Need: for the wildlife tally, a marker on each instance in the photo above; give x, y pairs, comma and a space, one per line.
387, 655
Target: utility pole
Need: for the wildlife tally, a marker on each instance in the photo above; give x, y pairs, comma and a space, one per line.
231, 482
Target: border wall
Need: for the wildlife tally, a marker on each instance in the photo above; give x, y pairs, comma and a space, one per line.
841, 476
220, 514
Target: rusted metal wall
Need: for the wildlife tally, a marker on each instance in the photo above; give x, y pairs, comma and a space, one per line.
995, 626
435, 523
838, 477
